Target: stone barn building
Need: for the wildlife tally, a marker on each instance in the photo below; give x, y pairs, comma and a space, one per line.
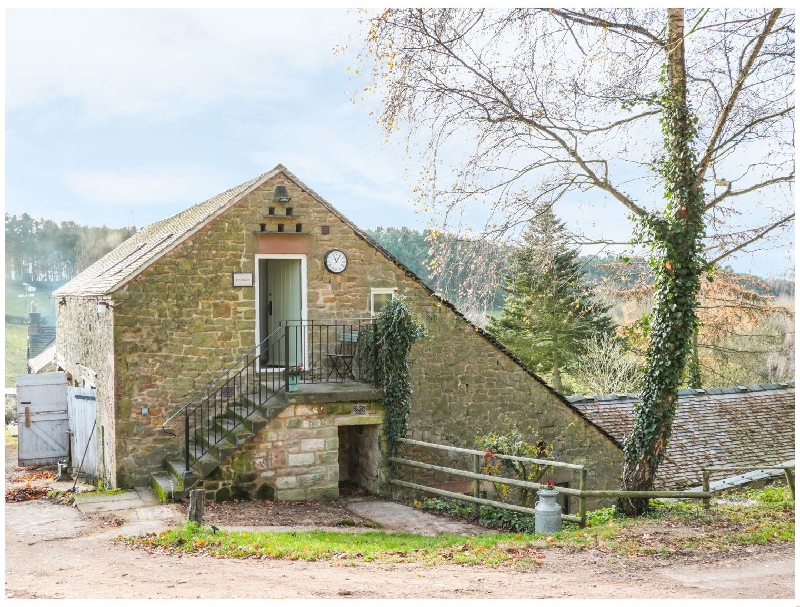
198, 298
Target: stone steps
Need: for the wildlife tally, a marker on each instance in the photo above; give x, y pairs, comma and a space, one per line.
234, 428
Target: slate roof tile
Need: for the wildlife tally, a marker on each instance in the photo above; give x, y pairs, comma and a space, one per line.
119, 266
717, 428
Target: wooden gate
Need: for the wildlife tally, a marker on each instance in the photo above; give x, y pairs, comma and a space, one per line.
42, 415
82, 409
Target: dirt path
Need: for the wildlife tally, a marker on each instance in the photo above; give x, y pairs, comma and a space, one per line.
53, 551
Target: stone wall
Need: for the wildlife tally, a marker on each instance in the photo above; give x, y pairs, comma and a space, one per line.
87, 356
465, 386
180, 322
296, 456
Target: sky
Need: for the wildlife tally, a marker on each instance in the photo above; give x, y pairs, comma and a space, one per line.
125, 117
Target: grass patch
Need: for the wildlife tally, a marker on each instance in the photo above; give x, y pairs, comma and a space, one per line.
19, 305
16, 351
671, 529
378, 546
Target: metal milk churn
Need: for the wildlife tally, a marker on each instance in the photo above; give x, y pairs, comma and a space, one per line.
548, 512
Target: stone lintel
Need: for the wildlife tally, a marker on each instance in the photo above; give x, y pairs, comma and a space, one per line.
358, 420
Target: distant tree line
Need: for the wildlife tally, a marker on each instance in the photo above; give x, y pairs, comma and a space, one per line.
41, 250
550, 307
415, 250
447, 264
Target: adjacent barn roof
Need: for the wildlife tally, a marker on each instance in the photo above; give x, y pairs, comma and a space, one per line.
712, 427
44, 358
38, 342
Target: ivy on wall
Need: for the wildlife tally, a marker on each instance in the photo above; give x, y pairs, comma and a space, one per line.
396, 331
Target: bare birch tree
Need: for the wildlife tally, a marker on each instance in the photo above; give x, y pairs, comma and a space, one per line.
692, 110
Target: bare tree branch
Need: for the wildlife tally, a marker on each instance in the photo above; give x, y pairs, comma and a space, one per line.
744, 73
750, 241
729, 192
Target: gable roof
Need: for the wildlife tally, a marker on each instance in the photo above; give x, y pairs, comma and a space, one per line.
712, 427
144, 248
125, 262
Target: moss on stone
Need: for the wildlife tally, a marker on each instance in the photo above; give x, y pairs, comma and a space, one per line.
242, 461
223, 495
265, 492
161, 494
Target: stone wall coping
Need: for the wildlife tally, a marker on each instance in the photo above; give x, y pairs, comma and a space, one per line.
312, 394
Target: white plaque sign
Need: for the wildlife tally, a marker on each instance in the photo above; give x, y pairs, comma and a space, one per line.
242, 279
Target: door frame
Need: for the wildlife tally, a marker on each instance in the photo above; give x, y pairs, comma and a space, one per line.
303, 289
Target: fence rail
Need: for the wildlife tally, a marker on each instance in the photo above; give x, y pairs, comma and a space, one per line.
477, 477
582, 493
788, 471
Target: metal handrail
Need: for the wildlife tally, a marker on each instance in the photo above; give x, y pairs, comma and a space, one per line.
223, 374
207, 414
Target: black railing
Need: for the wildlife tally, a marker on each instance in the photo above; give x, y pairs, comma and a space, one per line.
308, 352
333, 350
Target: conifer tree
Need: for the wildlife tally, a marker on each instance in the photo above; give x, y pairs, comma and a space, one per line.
550, 310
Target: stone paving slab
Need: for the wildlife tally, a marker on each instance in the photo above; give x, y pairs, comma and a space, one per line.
100, 502
157, 513
147, 496
398, 517
41, 521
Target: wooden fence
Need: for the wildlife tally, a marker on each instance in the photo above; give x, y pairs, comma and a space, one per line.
788, 470
581, 492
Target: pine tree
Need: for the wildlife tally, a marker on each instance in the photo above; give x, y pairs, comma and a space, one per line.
550, 310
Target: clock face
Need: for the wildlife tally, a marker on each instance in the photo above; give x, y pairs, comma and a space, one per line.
335, 261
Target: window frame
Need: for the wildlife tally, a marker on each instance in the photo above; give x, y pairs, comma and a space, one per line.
379, 291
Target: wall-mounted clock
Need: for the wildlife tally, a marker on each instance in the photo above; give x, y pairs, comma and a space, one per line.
336, 261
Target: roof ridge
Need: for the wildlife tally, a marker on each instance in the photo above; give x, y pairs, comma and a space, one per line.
152, 242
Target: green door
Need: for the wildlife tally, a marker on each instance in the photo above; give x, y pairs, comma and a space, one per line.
280, 306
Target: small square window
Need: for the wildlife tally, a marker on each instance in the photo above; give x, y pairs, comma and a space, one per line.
379, 298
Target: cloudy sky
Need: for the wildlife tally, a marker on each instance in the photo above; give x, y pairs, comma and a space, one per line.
123, 117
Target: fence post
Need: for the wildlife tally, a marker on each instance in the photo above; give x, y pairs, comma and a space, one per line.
582, 498
789, 472
706, 488
197, 499
476, 485
286, 359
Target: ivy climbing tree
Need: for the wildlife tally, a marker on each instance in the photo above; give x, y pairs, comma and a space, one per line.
678, 265
396, 330
537, 107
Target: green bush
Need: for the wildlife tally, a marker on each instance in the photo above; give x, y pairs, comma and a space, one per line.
497, 518
775, 494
